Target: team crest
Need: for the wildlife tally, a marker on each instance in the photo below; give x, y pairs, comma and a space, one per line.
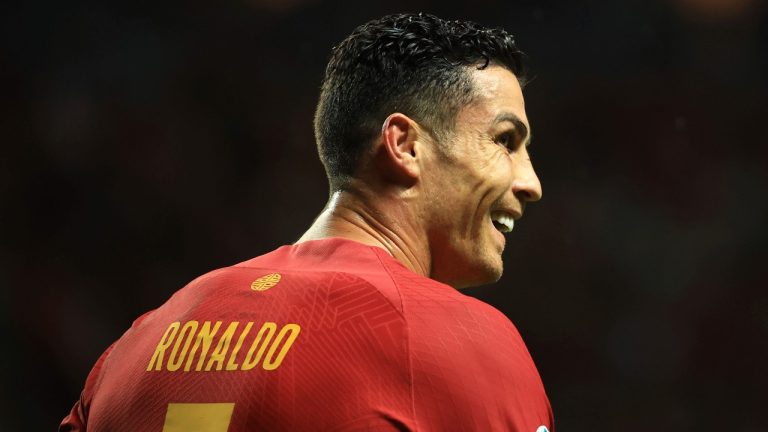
266, 282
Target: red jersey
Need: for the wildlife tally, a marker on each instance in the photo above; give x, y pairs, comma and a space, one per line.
323, 335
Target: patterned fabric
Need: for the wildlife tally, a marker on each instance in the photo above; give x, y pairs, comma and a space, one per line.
324, 335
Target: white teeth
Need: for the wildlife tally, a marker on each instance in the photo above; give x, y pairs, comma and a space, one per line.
506, 222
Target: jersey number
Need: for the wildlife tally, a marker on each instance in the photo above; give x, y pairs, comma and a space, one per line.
198, 417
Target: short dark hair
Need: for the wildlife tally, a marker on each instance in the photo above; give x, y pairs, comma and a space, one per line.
416, 64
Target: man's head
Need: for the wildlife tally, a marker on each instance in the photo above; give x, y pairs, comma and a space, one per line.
434, 111
415, 64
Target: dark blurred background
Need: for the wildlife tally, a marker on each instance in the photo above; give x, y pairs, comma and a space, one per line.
144, 144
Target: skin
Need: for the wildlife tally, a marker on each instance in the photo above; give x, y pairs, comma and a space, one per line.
429, 204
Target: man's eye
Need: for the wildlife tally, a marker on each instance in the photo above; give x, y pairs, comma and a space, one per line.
507, 139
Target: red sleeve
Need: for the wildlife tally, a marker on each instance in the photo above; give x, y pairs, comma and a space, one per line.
78, 418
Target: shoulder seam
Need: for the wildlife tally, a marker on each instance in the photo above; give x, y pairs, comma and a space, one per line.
407, 341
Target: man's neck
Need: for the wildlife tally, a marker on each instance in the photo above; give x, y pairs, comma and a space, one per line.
352, 216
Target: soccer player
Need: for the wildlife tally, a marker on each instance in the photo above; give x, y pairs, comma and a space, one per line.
359, 325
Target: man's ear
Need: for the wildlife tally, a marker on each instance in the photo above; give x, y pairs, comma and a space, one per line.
400, 150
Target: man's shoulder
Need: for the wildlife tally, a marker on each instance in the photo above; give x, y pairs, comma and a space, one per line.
335, 272
337, 265
421, 294
290, 283
469, 353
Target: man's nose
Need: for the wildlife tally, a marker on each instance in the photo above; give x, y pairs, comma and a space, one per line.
526, 185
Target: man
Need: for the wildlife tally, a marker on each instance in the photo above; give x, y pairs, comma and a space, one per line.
358, 326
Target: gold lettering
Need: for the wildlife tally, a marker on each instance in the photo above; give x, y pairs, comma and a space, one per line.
165, 342
272, 363
204, 336
218, 354
186, 335
249, 362
181, 337
231, 365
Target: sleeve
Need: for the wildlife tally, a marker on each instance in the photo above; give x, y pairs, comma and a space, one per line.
77, 420
471, 370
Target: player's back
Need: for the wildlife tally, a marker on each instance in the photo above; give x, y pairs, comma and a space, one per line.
324, 335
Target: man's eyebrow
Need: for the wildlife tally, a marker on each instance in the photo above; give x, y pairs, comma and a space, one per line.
520, 127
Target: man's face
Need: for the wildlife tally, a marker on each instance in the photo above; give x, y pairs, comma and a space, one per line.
480, 180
